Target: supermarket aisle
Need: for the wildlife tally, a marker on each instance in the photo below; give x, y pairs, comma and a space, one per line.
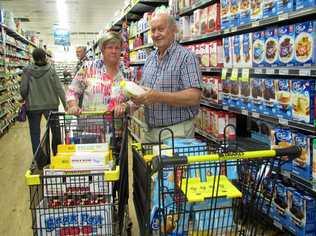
15, 158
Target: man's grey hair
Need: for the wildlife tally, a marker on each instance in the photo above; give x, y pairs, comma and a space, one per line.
171, 19
84, 48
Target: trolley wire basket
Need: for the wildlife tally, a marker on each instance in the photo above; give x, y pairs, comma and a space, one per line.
75, 198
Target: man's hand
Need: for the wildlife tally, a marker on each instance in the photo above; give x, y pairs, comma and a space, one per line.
151, 97
120, 109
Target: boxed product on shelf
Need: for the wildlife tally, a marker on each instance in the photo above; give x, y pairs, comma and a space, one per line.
269, 8
203, 21
258, 48
84, 220
303, 100
285, 6
262, 131
237, 50
234, 13
226, 89
302, 213
227, 52
246, 50
234, 90
204, 54
192, 26
256, 94
197, 20
286, 45
216, 53
305, 43
213, 18
303, 165
244, 92
271, 48
303, 4
281, 203
269, 95
225, 14
185, 27
212, 88
284, 100
256, 10
314, 160
245, 12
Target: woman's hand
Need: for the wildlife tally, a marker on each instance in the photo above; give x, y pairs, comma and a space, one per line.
120, 109
73, 110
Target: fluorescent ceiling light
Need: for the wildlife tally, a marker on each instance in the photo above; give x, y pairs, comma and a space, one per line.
62, 12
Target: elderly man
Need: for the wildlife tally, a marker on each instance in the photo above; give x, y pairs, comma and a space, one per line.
173, 77
81, 55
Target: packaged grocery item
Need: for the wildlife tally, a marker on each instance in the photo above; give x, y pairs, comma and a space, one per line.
234, 89
271, 47
227, 52
246, 53
303, 100
204, 54
245, 11
269, 95
237, 50
258, 48
225, 14
286, 35
185, 27
283, 95
197, 20
214, 20
226, 88
92, 147
203, 20
192, 26
132, 89
314, 159
219, 123
281, 203
270, 8
256, 10
285, 6
305, 46
302, 209
302, 166
234, 13
216, 53
257, 94
212, 88
244, 91
262, 131
304, 4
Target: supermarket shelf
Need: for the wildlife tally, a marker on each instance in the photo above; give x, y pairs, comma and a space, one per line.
198, 4
138, 33
13, 45
16, 35
142, 47
295, 15
309, 186
207, 135
134, 136
211, 69
137, 63
290, 123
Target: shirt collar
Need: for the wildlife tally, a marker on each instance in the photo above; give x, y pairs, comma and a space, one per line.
168, 51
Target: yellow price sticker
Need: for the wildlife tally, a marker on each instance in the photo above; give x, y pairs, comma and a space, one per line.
245, 75
224, 73
234, 74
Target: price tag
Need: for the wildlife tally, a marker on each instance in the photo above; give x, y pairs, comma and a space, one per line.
283, 121
284, 16
283, 72
224, 73
244, 74
305, 72
234, 29
244, 112
225, 107
255, 114
234, 74
270, 71
258, 71
255, 24
226, 31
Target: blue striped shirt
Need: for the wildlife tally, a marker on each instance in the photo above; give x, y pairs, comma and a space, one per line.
178, 70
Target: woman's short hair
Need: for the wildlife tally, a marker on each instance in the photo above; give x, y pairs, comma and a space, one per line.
39, 56
110, 37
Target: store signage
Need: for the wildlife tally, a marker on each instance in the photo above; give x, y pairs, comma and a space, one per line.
61, 37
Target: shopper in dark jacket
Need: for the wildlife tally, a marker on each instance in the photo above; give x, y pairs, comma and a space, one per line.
41, 90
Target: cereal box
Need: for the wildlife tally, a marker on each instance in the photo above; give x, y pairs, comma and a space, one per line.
258, 48
246, 53
227, 52
269, 8
213, 22
225, 14
203, 21
305, 45
205, 55
192, 26
271, 47
256, 94
197, 20
256, 10
302, 166
198, 53
269, 95
237, 50
216, 53
245, 11
185, 24
303, 4
303, 95
286, 35
283, 95
234, 13
285, 6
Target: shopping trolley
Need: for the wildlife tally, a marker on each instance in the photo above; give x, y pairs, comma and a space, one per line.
87, 196
205, 190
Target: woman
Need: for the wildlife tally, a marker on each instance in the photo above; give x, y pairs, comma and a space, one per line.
99, 81
41, 90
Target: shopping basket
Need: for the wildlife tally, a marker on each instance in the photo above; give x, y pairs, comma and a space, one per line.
68, 200
204, 190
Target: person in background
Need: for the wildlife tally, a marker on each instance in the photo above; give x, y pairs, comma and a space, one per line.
173, 78
99, 81
41, 90
81, 55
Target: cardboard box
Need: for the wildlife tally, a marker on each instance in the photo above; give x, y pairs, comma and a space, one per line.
246, 53
244, 91
269, 95
285, 6
225, 14
256, 94
213, 18
234, 13
286, 35
227, 52
258, 48
245, 12
284, 99
256, 10
237, 51
271, 47
304, 4
216, 53
270, 8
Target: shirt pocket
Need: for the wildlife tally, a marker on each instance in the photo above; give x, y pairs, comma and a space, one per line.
168, 80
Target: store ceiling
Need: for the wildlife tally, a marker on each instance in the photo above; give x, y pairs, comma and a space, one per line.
85, 18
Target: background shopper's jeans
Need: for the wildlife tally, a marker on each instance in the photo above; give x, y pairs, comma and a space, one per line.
34, 118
